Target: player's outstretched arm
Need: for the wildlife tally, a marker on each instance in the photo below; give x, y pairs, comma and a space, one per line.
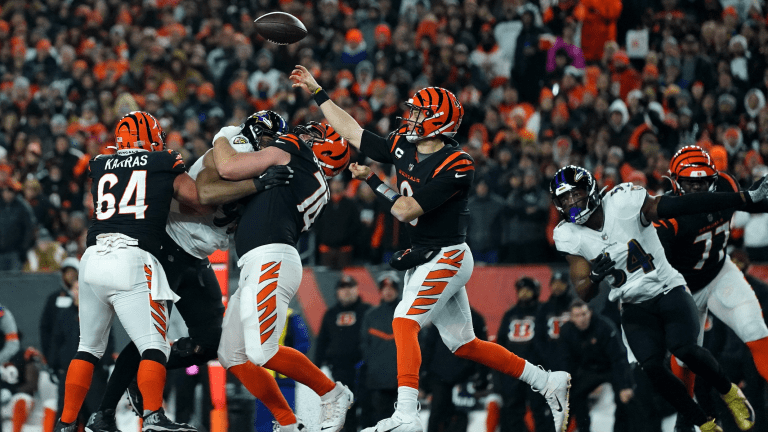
666, 206
579, 271
213, 190
404, 208
185, 192
341, 121
235, 166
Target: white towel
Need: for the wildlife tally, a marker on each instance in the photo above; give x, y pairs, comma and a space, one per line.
160, 289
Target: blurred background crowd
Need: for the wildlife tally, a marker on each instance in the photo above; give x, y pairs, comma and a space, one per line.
614, 87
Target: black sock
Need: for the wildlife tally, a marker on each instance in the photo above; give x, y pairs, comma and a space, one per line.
126, 367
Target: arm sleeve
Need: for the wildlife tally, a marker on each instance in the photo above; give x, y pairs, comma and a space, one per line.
8, 327
452, 176
376, 147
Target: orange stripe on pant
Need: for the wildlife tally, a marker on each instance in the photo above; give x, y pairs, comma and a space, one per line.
266, 300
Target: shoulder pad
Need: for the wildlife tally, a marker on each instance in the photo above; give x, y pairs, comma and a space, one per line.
457, 161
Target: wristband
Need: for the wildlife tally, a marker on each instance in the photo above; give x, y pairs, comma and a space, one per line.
257, 183
320, 96
382, 189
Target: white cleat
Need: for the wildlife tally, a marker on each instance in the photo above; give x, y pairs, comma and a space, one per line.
557, 393
296, 427
399, 422
333, 409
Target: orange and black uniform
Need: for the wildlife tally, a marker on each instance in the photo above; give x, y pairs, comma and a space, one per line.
286, 211
141, 181
440, 183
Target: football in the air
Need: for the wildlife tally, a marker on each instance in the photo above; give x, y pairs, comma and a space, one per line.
280, 28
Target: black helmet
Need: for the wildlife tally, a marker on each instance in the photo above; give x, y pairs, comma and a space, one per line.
264, 122
567, 179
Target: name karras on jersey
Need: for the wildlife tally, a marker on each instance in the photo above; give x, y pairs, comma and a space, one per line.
129, 162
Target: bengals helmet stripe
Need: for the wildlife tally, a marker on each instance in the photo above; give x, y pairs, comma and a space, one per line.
440, 113
692, 162
330, 148
139, 130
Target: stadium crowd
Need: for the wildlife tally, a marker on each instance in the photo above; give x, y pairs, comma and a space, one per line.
615, 88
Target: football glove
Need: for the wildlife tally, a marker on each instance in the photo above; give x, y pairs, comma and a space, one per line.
410, 258
759, 190
601, 267
276, 175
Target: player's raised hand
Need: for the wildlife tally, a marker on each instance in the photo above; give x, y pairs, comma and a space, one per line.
303, 79
360, 172
759, 190
601, 267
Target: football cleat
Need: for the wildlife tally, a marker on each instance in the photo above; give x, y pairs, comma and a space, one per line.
64, 427
102, 421
156, 421
709, 426
399, 422
557, 394
295, 427
135, 399
333, 409
739, 406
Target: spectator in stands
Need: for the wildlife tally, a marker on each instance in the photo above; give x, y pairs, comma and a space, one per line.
17, 226
516, 333
593, 353
63, 298
338, 343
598, 20
336, 246
551, 317
377, 343
486, 210
529, 61
524, 231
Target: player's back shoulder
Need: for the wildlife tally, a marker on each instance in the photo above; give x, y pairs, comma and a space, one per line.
454, 160
625, 200
726, 183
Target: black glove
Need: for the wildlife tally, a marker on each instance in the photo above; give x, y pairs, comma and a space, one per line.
185, 347
601, 267
410, 258
276, 175
231, 212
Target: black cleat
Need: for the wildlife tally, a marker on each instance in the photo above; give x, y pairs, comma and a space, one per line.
156, 421
135, 398
64, 427
102, 421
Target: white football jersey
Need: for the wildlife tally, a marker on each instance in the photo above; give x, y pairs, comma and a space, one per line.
642, 270
197, 235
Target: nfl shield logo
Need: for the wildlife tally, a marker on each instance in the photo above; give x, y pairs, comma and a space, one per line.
410, 167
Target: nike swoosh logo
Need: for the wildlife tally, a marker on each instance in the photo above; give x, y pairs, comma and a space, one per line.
559, 406
458, 176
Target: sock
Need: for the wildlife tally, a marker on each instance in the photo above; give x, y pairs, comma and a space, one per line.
126, 367
494, 414
759, 350
263, 385
20, 413
408, 352
534, 376
407, 399
76, 386
684, 374
151, 381
295, 365
49, 419
494, 356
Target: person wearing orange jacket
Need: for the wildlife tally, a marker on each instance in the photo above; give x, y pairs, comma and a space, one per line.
599, 25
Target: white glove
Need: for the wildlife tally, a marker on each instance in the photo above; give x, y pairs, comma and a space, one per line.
760, 192
227, 132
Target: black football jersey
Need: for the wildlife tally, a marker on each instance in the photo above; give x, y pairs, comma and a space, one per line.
440, 184
695, 244
281, 214
132, 195
16, 369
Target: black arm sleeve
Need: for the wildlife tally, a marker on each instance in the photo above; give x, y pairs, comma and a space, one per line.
674, 206
375, 147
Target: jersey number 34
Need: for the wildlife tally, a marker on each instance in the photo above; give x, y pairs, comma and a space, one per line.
637, 258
